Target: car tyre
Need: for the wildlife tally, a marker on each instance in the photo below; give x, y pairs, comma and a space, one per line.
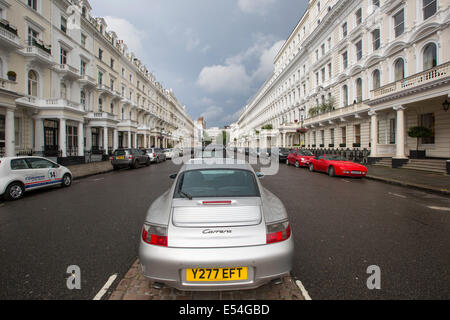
148, 163
332, 172
297, 164
14, 191
115, 168
311, 168
66, 180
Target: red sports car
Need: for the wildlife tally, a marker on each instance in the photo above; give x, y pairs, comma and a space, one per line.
337, 166
300, 158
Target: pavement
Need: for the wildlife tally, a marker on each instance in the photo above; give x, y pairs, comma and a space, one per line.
422, 180
134, 286
90, 169
340, 228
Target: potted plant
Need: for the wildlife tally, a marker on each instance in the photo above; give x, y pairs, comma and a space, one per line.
419, 133
331, 145
357, 145
343, 145
12, 76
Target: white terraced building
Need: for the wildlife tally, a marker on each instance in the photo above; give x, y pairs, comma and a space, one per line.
70, 87
359, 74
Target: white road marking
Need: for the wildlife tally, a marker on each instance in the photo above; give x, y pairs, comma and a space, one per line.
98, 179
440, 208
346, 181
303, 290
105, 288
397, 195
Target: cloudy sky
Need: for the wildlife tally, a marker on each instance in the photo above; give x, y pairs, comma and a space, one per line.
214, 54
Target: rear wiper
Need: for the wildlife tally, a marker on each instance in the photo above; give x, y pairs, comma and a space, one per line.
186, 195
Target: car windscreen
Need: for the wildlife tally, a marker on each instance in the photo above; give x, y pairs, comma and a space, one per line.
306, 153
218, 183
284, 150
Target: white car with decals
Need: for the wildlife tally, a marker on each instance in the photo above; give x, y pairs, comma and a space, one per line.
21, 174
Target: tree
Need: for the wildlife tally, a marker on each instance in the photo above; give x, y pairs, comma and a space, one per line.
419, 133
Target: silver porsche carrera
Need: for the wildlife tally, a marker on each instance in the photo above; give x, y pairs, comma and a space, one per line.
216, 229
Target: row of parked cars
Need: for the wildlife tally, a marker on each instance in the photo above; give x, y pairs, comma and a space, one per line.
134, 158
333, 165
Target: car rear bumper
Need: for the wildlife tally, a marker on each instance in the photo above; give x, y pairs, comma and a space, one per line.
264, 263
121, 163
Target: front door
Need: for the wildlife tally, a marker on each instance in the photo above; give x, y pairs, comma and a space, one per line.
51, 147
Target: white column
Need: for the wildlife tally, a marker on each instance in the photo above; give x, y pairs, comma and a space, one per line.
373, 134
39, 135
88, 138
129, 139
80, 139
10, 144
135, 140
284, 140
116, 139
400, 136
105, 139
62, 137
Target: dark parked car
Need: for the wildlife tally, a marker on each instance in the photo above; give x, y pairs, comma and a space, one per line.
129, 158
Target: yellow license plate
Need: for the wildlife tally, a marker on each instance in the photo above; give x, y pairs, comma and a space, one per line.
120, 158
216, 274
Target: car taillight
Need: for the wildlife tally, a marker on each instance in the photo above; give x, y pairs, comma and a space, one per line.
278, 232
130, 157
154, 155
154, 235
111, 158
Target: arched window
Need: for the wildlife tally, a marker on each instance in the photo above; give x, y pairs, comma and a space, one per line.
32, 83
359, 90
376, 79
345, 95
399, 67
429, 56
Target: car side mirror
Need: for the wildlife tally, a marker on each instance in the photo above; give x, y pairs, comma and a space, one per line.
260, 175
173, 176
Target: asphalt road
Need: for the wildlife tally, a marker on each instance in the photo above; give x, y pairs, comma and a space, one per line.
340, 227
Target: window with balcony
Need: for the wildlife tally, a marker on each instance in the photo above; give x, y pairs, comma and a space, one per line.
399, 69
100, 105
33, 36
100, 78
32, 83
429, 8
83, 66
399, 23
63, 56
429, 56
376, 41
376, 79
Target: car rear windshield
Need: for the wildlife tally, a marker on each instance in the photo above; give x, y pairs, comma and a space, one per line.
217, 184
120, 152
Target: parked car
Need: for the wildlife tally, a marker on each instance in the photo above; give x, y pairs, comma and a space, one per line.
156, 155
129, 158
337, 166
283, 154
21, 174
169, 154
300, 158
217, 228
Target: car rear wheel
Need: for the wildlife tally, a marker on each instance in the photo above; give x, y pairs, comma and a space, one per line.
311, 168
14, 191
115, 168
332, 172
148, 163
297, 164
